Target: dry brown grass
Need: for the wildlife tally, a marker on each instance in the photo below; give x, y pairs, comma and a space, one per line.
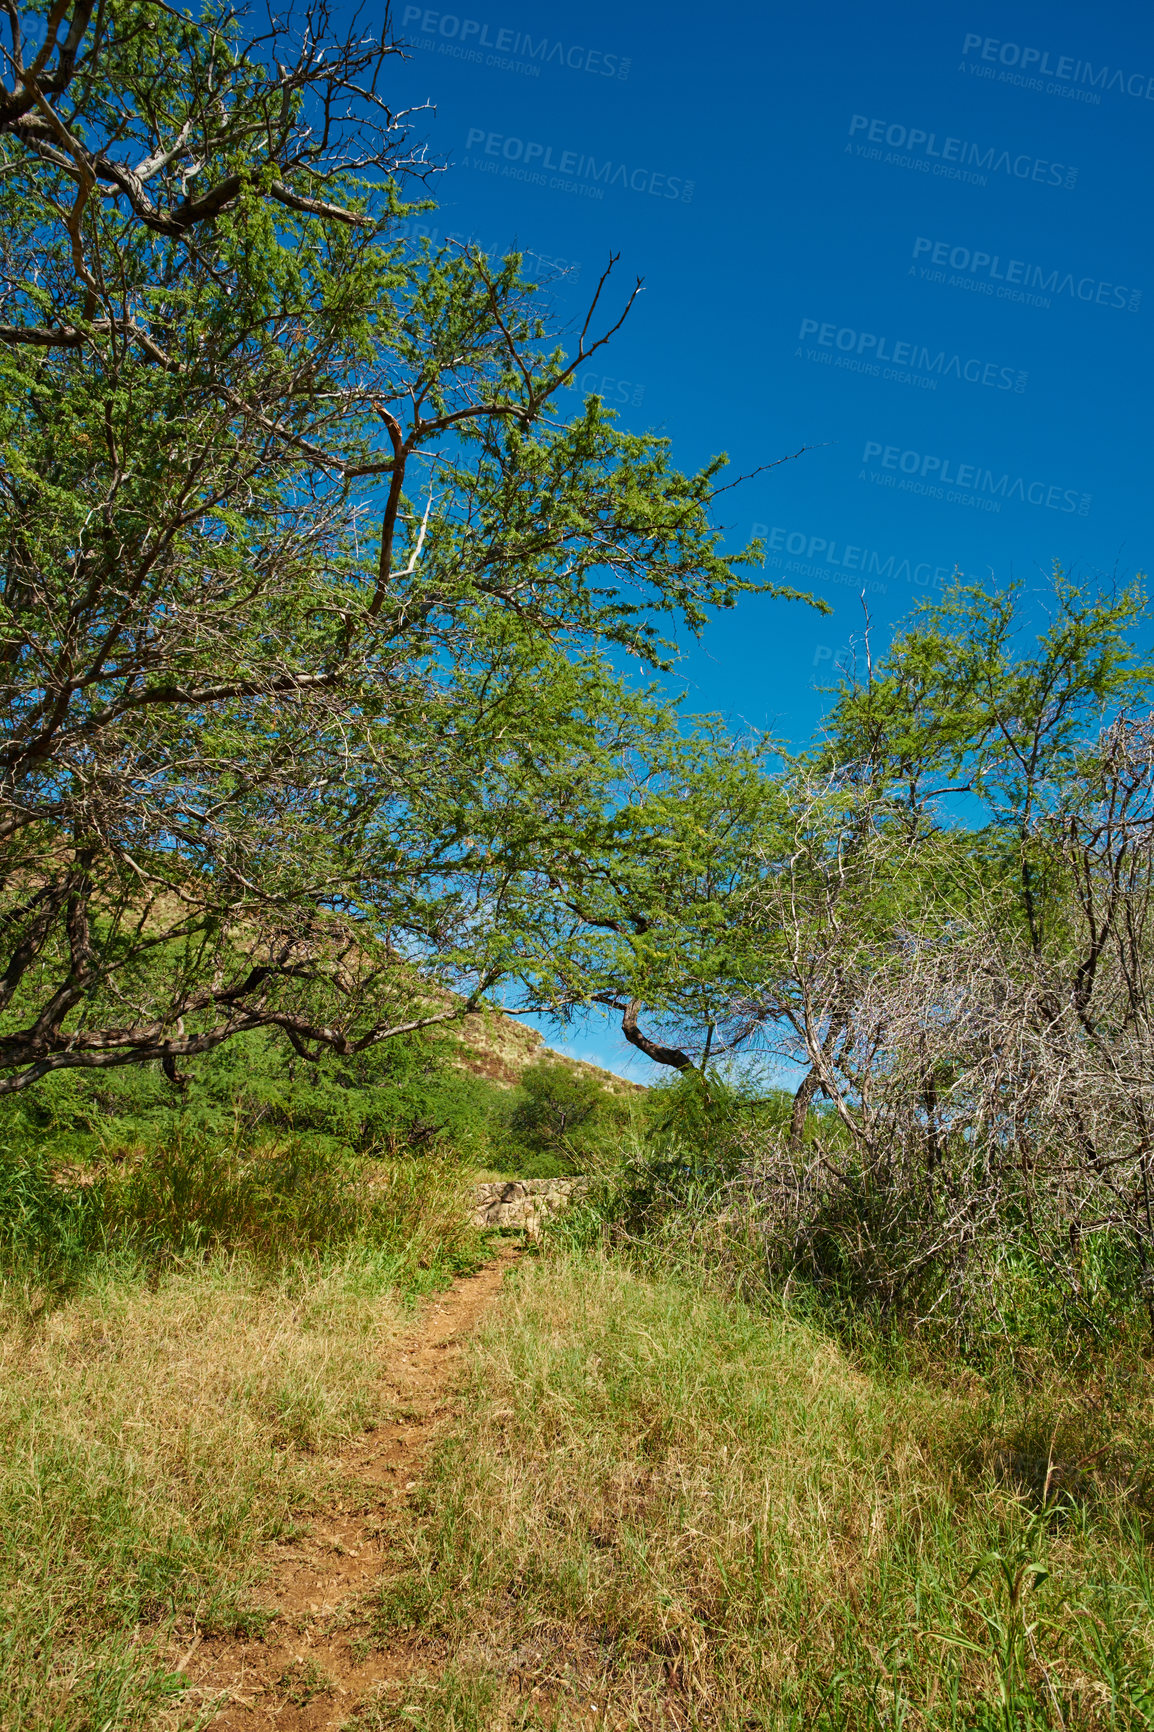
149, 1438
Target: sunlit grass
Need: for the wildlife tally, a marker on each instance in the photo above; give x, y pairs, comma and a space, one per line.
683, 1513
182, 1344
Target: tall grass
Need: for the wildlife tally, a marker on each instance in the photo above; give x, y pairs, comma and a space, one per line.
150, 1437
682, 1513
184, 1332
275, 1204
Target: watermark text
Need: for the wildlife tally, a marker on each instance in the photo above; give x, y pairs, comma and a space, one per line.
1057, 74
972, 484
901, 361
505, 49
902, 146
1010, 279
567, 170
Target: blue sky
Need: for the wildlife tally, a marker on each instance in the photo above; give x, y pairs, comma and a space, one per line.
914, 239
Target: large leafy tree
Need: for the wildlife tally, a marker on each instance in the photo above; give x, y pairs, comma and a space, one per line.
309, 584
967, 722
751, 888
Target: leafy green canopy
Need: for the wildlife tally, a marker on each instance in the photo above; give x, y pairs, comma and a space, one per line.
309, 583
935, 795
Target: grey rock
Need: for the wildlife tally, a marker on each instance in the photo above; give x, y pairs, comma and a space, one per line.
523, 1203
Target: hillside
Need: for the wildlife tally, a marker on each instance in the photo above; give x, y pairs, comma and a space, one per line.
501, 1048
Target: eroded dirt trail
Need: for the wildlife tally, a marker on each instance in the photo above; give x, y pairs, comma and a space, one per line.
314, 1665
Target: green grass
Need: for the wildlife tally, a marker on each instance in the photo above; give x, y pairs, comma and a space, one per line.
151, 1436
454, 1701
663, 1507
275, 1202
196, 1294
185, 1334
687, 1514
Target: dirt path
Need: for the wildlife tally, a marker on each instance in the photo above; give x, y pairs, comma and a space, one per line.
314, 1663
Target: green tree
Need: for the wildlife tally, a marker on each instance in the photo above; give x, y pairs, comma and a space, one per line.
308, 582
561, 1113
961, 706
758, 884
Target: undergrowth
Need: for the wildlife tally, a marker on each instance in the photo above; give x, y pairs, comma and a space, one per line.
276, 1204
694, 1485
677, 1512
710, 1189
184, 1328
152, 1434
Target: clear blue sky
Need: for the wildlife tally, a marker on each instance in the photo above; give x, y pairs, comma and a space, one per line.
915, 238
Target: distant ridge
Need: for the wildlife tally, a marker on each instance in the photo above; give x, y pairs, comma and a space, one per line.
501, 1048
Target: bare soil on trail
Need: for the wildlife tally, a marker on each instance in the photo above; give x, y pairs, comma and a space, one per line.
315, 1663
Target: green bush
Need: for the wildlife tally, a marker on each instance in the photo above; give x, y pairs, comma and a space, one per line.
196, 1197
407, 1095
558, 1122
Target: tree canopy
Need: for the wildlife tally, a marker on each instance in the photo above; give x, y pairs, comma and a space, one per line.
312, 579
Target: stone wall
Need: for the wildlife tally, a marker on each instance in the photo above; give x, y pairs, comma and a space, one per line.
523, 1203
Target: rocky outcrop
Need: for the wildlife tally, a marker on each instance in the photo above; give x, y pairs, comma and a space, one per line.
523, 1203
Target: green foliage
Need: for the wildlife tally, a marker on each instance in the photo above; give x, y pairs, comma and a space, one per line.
405, 1096
716, 1119
710, 1187
194, 1198
698, 1136
654, 898
48, 1231
945, 915
961, 701
559, 1121
326, 706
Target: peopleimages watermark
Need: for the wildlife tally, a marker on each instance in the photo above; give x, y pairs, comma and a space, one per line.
507, 49
965, 483
1069, 75
952, 158
827, 652
1015, 279
610, 389
570, 171
903, 362
531, 259
855, 567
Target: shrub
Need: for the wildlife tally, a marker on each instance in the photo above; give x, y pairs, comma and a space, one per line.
195, 1197
560, 1121
407, 1095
